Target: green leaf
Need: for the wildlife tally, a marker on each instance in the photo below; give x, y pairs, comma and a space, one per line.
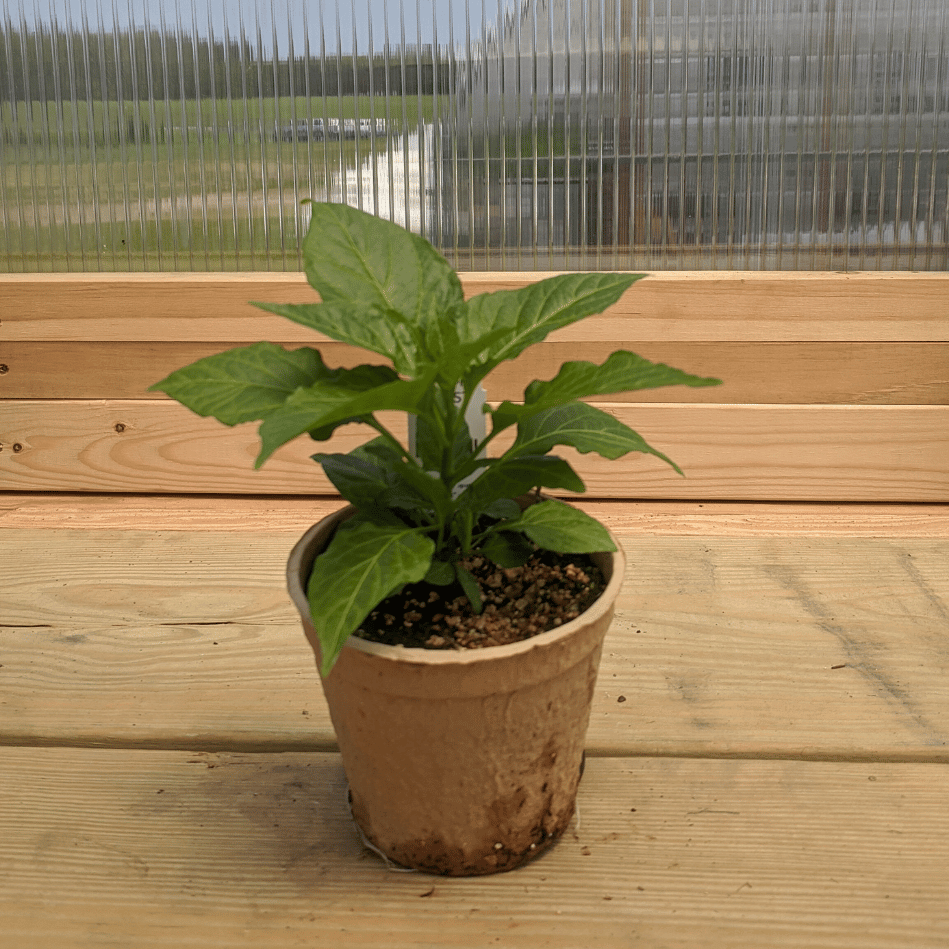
378, 330
407, 473
463, 452
470, 586
455, 358
507, 549
623, 371
563, 529
363, 564
245, 384
360, 481
356, 258
530, 313
441, 573
375, 476
583, 427
323, 407
463, 528
510, 478
429, 442
503, 509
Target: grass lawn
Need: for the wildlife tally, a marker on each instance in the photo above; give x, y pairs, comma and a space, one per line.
197, 185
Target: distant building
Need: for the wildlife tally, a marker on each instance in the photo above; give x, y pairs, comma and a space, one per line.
685, 122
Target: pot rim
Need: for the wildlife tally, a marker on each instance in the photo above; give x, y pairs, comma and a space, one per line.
300, 563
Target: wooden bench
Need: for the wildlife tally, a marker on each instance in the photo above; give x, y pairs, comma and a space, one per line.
768, 759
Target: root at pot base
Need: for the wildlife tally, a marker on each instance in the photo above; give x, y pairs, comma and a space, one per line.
519, 602
434, 857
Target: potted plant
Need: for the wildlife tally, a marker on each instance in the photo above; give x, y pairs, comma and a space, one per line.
460, 759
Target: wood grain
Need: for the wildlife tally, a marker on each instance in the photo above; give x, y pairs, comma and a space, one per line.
295, 514
768, 749
729, 452
808, 373
828, 648
700, 306
153, 849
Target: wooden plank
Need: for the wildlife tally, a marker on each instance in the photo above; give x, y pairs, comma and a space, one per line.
296, 514
833, 373
729, 452
158, 849
795, 647
682, 306
703, 519
139, 578
174, 512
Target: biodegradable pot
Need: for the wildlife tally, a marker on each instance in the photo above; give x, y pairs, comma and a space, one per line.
462, 763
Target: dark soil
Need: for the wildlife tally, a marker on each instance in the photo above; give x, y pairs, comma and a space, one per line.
518, 602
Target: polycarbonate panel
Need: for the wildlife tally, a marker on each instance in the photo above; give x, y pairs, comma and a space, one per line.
514, 134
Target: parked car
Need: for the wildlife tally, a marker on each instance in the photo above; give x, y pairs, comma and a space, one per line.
295, 132
370, 127
312, 130
325, 129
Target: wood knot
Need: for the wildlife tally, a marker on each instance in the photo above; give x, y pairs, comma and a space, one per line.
119, 427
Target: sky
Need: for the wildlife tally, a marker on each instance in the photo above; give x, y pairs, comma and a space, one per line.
277, 22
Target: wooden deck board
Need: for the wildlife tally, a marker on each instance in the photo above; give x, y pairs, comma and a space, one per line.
160, 849
829, 647
768, 755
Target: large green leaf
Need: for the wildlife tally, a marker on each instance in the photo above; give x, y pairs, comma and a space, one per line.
363, 564
557, 526
623, 371
510, 478
323, 406
353, 257
245, 384
360, 480
378, 330
530, 313
375, 476
583, 427
424, 484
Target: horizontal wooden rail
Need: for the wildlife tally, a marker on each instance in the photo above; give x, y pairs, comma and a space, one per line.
880, 373
700, 306
841, 453
836, 386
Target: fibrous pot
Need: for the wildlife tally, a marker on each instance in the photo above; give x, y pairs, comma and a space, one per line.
462, 762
